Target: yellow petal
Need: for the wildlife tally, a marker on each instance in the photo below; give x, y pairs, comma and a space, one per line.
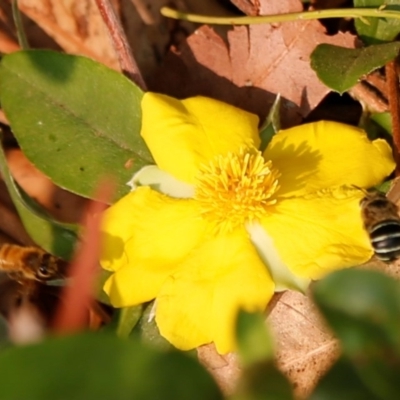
198, 304
135, 284
116, 229
326, 154
316, 235
150, 227
183, 134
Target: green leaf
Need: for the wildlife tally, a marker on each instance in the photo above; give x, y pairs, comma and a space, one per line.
340, 68
55, 237
128, 318
101, 366
75, 119
255, 342
377, 30
341, 382
146, 330
263, 381
363, 308
272, 123
384, 120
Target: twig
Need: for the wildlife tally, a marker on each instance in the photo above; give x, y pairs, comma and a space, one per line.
393, 98
126, 60
269, 19
369, 96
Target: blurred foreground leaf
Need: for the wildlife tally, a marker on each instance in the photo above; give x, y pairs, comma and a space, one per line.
55, 237
342, 382
340, 68
75, 119
263, 381
363, 309
100, 366
254, 339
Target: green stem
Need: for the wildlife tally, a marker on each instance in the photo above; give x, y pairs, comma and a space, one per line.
22, 40
268, 19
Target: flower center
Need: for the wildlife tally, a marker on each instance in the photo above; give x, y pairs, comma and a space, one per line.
236, 188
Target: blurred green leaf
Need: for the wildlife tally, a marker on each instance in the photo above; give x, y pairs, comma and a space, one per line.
55, 237
147, 330
128, 318
75, 119
377, 30
384, 120
272, 123
254, 340
263, 381
384, 186
100, 294
100, 366
363, 308
340, 68
342, 382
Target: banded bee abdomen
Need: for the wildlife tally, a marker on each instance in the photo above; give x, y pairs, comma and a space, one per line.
385, 240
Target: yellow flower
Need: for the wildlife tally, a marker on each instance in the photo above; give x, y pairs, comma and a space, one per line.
218, 225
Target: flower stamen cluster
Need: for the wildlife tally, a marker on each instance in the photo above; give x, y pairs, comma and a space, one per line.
236, 188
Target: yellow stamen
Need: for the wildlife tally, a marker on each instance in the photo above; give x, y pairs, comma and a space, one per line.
236, 188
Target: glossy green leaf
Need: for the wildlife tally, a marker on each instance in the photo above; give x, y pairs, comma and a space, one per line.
101, 366
363, 308
377, 30
254, 339
55, 237
75, 119
340, 68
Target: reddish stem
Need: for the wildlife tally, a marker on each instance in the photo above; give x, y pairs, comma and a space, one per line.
392, 82
77, 297
126, 60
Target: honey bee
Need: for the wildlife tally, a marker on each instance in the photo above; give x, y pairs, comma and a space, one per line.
382, 222
29, 263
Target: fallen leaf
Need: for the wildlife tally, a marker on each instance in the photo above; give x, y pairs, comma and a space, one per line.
256, 64
305, 347
225, 369
76, 25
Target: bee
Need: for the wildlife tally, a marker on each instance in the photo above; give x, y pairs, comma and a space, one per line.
29, 263
382, 222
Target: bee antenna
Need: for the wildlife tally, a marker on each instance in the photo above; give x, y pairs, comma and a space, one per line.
359, 188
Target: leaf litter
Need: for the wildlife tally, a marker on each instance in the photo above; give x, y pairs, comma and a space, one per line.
247, 67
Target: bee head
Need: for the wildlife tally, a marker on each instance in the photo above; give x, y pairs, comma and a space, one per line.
43, 265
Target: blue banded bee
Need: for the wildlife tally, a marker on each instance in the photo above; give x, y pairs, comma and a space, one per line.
382, 222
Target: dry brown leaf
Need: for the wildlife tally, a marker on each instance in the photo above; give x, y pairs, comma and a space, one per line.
225, 369
63, 205
305, 347
76, 25
259, 62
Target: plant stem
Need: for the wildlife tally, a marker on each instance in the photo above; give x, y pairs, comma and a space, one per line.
268, 19
126, 60
392, 83
22, 40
